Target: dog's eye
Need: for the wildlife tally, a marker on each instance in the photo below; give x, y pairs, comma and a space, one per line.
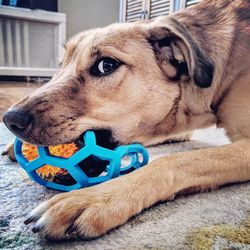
104, 66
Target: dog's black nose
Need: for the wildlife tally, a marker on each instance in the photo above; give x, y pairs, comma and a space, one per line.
17, 120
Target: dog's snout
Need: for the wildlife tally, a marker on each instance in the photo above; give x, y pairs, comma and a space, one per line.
17, 120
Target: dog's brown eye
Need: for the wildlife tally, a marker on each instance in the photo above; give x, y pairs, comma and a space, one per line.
104, 66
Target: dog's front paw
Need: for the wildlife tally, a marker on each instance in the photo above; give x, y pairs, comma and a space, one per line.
87, 213
10, 152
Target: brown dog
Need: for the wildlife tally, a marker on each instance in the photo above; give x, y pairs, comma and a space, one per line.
145, 83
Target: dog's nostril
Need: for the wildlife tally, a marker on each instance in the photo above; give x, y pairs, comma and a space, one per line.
17, 120
15, 127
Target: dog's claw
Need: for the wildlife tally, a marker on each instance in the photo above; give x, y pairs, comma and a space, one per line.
29, 220
71, 229
36, 229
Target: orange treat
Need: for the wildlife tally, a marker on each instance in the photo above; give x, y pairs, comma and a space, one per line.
30, 152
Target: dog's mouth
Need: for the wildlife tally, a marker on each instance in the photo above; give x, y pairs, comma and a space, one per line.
91, 166
104, 138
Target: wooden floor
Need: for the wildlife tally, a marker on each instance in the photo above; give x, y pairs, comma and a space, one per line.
11, 92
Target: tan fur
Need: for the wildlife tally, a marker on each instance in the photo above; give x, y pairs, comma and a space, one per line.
141, 102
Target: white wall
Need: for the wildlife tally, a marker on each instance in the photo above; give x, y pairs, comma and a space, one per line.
86, 14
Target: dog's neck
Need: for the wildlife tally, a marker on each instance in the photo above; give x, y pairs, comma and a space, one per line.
187, 113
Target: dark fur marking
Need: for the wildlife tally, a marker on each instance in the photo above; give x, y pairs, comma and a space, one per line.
174, 110
204, 67
81, 79
181, 68
175, 107
243, 13
74, 90
43, 110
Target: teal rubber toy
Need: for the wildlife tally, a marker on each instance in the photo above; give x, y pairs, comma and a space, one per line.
113, 157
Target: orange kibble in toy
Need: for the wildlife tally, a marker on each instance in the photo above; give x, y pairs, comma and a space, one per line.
30, 152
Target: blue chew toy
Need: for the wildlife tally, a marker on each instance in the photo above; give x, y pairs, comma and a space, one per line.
71, 164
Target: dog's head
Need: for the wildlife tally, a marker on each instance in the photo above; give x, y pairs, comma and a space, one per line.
125, 78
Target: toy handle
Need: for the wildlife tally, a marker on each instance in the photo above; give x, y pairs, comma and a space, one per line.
138, 157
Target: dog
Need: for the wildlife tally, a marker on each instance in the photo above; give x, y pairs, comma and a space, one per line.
145, 83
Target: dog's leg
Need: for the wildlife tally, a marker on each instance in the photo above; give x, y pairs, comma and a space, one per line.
93, 211
10, 151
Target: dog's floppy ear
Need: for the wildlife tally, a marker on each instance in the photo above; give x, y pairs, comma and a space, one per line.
180, 55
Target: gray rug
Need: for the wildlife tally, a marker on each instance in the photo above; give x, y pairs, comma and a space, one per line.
215, 220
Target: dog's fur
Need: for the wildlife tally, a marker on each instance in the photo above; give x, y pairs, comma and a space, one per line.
179, 73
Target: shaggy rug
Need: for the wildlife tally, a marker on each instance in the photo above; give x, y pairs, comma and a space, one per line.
214, 220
